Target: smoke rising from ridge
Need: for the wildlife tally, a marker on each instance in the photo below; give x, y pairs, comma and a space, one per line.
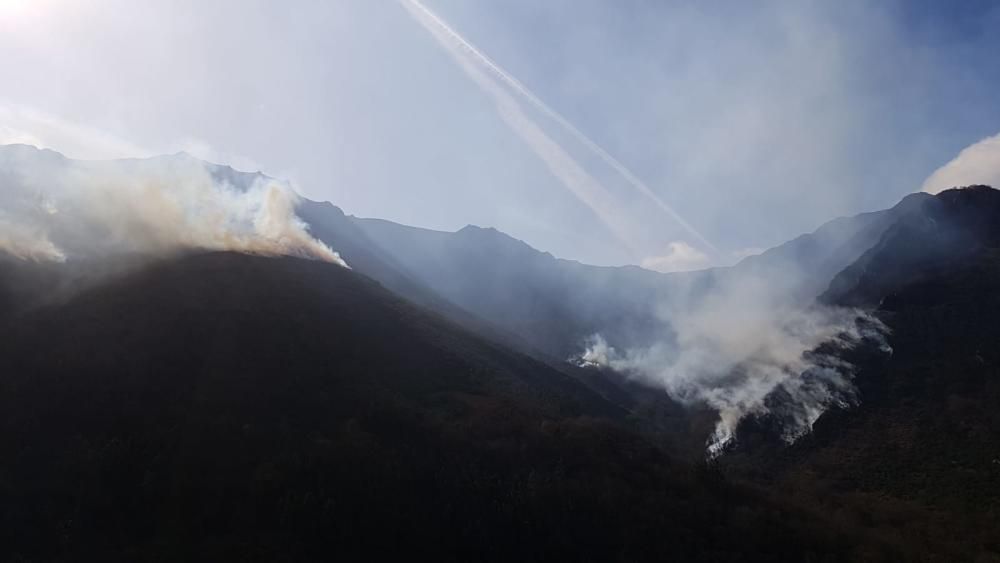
978, 163
53, 208
21, 241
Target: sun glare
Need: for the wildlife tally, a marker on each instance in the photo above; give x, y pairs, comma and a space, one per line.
14, 11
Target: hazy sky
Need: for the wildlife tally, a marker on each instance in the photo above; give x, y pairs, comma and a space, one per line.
753, 121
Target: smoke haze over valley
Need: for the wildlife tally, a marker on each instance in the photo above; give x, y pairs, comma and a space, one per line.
732, 339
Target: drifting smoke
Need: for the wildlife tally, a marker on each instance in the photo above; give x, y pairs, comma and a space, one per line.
744, 350
736, 347
979, 163
21, 241
53, 209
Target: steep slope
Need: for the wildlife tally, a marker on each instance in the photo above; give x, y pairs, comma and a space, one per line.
918, 458
22, 285
26, 285
805, 266
222, 406
554, 304
44, 201
329, 223
942, 230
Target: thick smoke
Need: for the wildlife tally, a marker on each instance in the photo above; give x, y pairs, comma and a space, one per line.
744, 348
27, 243
53, 208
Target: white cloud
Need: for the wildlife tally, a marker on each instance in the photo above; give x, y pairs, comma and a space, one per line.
978, 163
679, 257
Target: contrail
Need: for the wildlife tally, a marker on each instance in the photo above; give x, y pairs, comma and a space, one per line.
547, 110
559, 162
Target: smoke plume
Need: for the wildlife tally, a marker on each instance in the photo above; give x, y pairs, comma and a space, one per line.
744, 349
978, 163
53, 208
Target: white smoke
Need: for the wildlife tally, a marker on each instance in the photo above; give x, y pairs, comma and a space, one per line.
24, 242
53, 208
978, 163
743, 350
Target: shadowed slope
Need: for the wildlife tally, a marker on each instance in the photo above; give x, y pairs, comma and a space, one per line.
222, 406
918, 458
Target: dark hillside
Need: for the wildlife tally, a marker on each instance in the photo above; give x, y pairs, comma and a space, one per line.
919, 459
941, 230
230, 407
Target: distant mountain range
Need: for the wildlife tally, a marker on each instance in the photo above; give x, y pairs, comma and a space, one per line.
206, 405
555, 304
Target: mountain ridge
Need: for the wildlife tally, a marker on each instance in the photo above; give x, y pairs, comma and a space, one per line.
440, 359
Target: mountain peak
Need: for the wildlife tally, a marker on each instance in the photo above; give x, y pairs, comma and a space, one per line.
470, 228
913, 200
967, 193
943, 229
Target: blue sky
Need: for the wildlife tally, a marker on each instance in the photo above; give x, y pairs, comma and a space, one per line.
754, 121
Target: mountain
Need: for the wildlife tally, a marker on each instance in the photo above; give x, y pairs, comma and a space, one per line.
163, 402
553, 304
805, 266
941, 233
329, 224
482, 278
917, 459
557, 304
222, 406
